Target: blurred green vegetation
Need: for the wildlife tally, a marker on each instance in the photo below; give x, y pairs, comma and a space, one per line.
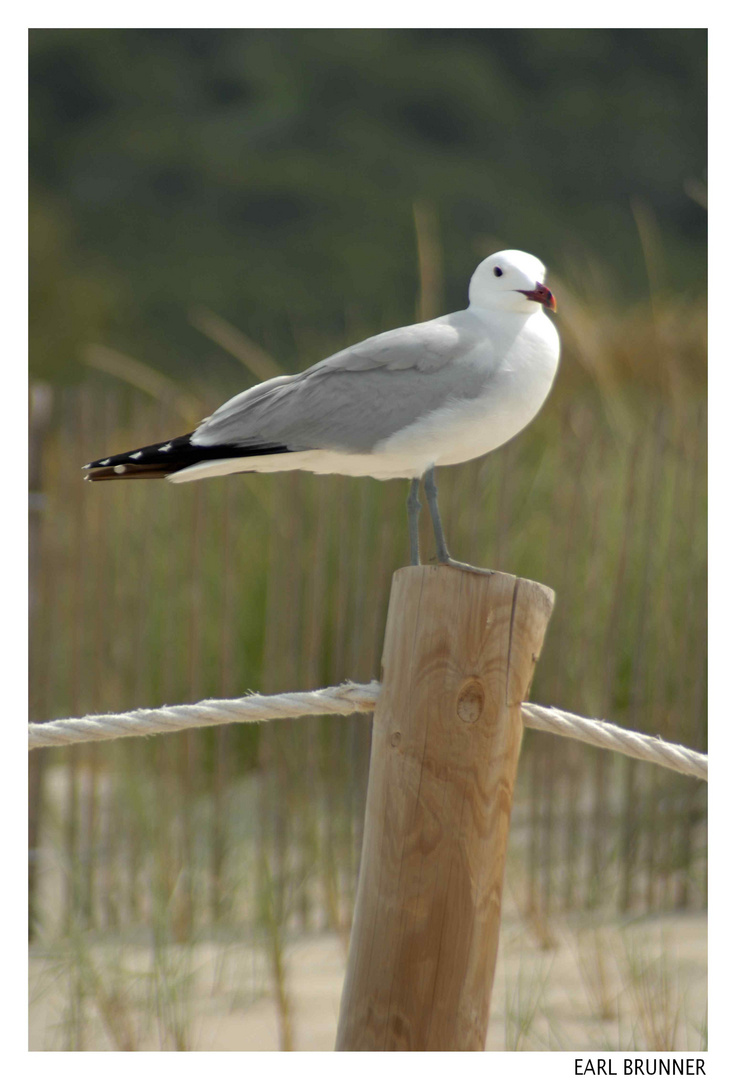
270, 176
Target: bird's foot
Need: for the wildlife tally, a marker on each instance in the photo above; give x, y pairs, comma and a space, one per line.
461, 566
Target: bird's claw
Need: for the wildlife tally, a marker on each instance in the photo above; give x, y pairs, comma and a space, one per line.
457, 565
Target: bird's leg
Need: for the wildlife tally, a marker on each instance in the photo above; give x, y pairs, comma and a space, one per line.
443, 555
413, 506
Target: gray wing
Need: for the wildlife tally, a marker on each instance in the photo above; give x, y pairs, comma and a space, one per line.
359, 396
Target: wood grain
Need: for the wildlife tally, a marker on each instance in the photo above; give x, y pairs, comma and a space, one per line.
459, 655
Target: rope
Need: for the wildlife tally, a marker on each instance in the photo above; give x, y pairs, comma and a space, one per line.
610, 737
345, 700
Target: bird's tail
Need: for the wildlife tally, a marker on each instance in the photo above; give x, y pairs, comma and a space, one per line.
165, 458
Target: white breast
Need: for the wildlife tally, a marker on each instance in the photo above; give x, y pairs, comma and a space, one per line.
463, 429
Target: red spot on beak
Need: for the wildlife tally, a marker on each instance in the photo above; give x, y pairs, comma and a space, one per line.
542, 295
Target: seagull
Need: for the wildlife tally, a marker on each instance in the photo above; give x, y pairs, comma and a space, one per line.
396, 405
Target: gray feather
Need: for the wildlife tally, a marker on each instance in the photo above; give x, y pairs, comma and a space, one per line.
361, 395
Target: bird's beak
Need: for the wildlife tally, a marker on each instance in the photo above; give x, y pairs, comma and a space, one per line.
542, 295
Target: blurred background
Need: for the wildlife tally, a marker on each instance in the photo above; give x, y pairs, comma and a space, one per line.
210, 208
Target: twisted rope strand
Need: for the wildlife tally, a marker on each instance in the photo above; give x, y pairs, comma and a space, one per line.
345, 700
342, 700
611, 737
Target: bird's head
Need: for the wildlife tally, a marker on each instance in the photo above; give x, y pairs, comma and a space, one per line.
511, 281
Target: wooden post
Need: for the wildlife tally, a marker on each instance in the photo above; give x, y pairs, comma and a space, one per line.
458, 660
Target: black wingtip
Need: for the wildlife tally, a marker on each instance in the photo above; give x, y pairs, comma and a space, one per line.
163, 459
130, 472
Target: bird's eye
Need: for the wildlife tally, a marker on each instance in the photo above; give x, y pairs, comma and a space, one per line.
498, 271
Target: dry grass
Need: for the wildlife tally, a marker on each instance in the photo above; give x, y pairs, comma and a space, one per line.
223, 995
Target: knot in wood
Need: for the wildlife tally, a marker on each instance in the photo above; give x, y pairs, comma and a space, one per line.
396, 738
470, 701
